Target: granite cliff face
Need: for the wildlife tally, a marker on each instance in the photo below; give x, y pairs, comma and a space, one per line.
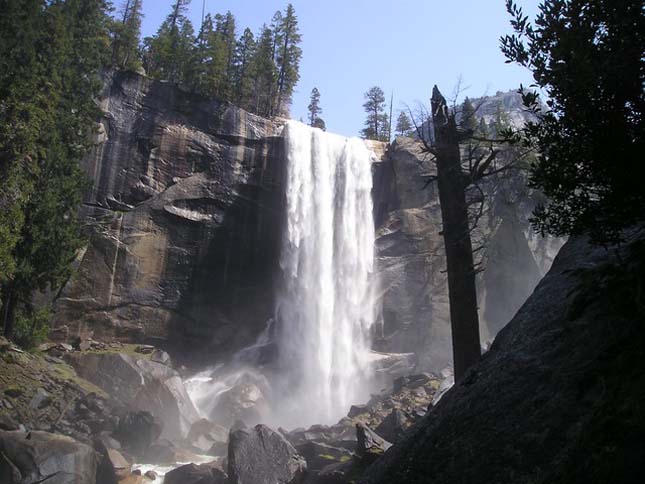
415, 314
183, 219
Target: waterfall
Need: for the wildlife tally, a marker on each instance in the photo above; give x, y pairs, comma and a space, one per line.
325, 307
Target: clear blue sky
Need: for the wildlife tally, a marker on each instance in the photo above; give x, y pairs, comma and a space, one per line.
404, 46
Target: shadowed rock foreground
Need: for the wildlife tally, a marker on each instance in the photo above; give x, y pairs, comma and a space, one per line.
558, 398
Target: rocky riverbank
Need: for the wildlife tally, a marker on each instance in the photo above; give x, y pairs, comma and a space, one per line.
117, 411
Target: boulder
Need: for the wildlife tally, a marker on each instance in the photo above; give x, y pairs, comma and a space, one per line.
161, 452
137, 431
165, 452
245, 402
263, 456
5, 344
370, 445
141, 384
160, 356
319, 455
93, 413
335, 473
112, 466
8, 423
136, 479
145, 349
208, 437
108, 441
393, 426
38, 456
195, 474
152, 475
40, 399
356, 410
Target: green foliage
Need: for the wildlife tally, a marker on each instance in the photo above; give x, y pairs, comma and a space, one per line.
320, 124
30, 330
258, 74
24, 118
468, 117
168, 55
314, 106
49, 82
263, 73
125, 37
588, 57
404, 125
377, 121
288, 57
243, 69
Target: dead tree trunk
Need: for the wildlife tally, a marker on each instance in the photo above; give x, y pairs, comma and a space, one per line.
452, 185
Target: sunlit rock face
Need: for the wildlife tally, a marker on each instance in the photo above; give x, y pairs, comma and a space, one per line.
411, 263
183, 215
186, 216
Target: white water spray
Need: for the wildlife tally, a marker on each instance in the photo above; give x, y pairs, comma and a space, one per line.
326, 308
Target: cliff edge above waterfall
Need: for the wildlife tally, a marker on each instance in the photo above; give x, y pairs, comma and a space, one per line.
557, 399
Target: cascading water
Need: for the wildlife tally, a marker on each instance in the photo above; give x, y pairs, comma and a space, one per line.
326, 307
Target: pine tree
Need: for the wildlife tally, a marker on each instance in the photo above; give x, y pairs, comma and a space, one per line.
288, 58
211, 62
198, 70
376, 124
243, 81
314, 106
126, 33
500, 122
218, 59
468, 118
264, 73
71, 44
24, 118
482, 128
168, 55
403, 124
227, 31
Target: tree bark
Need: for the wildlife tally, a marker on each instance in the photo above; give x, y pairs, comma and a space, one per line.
462, 292
8, 311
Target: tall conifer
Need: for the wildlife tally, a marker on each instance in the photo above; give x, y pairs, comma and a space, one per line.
126, 33
288, 58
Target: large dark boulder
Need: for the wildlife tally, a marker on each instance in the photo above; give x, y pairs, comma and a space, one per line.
195, 474
137, 431
141, 384
208, 437
557, 399
394, 425
263, 456
30, 457
370, 445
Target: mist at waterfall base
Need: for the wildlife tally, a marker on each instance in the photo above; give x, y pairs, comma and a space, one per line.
319, 338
